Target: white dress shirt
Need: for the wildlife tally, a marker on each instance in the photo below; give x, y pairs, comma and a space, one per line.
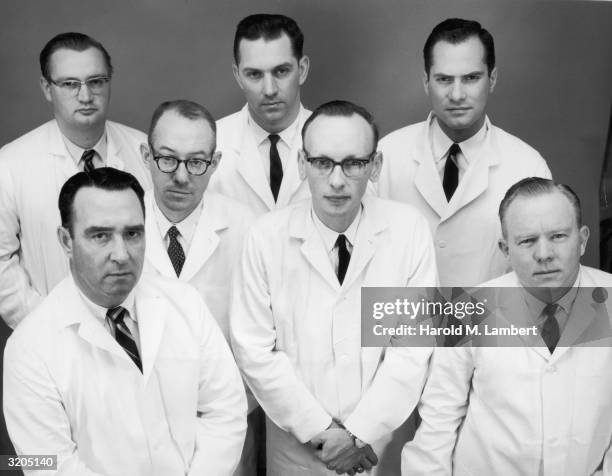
76, 152
186, 227
330, 237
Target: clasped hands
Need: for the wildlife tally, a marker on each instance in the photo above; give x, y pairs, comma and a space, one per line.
342, 452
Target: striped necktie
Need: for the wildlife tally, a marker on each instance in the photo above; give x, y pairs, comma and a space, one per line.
123, 336
87, 159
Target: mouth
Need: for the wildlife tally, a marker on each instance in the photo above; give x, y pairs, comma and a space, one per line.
180, 193
87, 111
545, 273
271, 104
120, 274
337, 199
458, 109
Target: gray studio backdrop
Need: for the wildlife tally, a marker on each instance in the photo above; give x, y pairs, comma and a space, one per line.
554, 60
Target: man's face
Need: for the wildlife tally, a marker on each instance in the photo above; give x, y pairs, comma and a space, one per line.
336, 198
85, 109
544, 244
458, 87
178, 193
107, 246
271, 76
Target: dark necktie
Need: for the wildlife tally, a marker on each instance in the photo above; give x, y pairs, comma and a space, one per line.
276, 166
175, 250
550, 330
343, 257
123, 336
87, 159
451, 172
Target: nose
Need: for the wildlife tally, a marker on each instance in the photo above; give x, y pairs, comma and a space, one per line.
180, 174
84, 94
119, 252
337, 179
544, 250
270, 88
456, 92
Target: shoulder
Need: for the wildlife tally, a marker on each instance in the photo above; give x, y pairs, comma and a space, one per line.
519, 149
595, 277
506, 280
399, 137
228, 207
125, 132
226, 124
36, 140
397, 214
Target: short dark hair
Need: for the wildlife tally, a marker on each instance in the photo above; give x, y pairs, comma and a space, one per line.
344, 109
188, 109
71, 41
269, 27
535, 186
455, 31
106, 178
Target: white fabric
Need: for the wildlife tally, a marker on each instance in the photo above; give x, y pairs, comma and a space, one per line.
240, 174
71, 390
76, 152
212, 256
34, 168
296, 332
185, 227
520, 411
466, 229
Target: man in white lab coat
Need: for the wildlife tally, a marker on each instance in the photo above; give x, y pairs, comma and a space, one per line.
115, 374
456, 166
541, 407
76, 74
191, 235
295, 319
261, 141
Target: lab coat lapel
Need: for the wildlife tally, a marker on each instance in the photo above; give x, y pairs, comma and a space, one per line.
113, 158
427, 179
156, 252
302, 228
291, 177
205, 239
151, 312
366, 241
249, 164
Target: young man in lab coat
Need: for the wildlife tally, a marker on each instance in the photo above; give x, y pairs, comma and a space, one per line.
116, 374
295, 319
456, 166
542, 406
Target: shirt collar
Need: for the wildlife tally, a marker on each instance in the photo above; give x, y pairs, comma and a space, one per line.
186, 226
330, 236
287, 135
566, 302
76, 152
441, 142
100, 312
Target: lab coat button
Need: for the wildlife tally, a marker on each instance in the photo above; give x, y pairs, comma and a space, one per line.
442, 244
552, 369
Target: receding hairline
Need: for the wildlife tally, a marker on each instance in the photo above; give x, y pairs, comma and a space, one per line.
341, 116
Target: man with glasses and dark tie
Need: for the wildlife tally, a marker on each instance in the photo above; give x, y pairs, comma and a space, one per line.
114, 373
540, 404
76, 73
261, 141
295, 319
456, 166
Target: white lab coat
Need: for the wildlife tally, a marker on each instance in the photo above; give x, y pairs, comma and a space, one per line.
214, 251
501, 410
34, 168
466, 229
72, 391
296, 333
240, 174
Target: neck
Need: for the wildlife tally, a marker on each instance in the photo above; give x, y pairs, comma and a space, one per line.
339, 224
281, 124
174, 216
85, 138
460, 135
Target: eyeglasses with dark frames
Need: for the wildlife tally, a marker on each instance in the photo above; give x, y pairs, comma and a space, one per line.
169, 164
354, 167
95, 85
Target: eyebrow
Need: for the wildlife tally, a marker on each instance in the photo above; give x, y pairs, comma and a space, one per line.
472, 73
98, 229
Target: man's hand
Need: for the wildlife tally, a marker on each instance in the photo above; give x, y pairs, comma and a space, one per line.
331, 443
354, 460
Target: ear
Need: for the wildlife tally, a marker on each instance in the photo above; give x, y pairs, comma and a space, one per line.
236, 72
65, 240
503, 247
301, 158
145, 153
45, 87
492, 79
376, 166
215, 159
426, 82
303, 68
584, 237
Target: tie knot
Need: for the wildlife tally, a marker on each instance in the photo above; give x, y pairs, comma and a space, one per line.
88, 155
173, 232
454, 150
550, 310
273, 138
341, 242
116, 314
